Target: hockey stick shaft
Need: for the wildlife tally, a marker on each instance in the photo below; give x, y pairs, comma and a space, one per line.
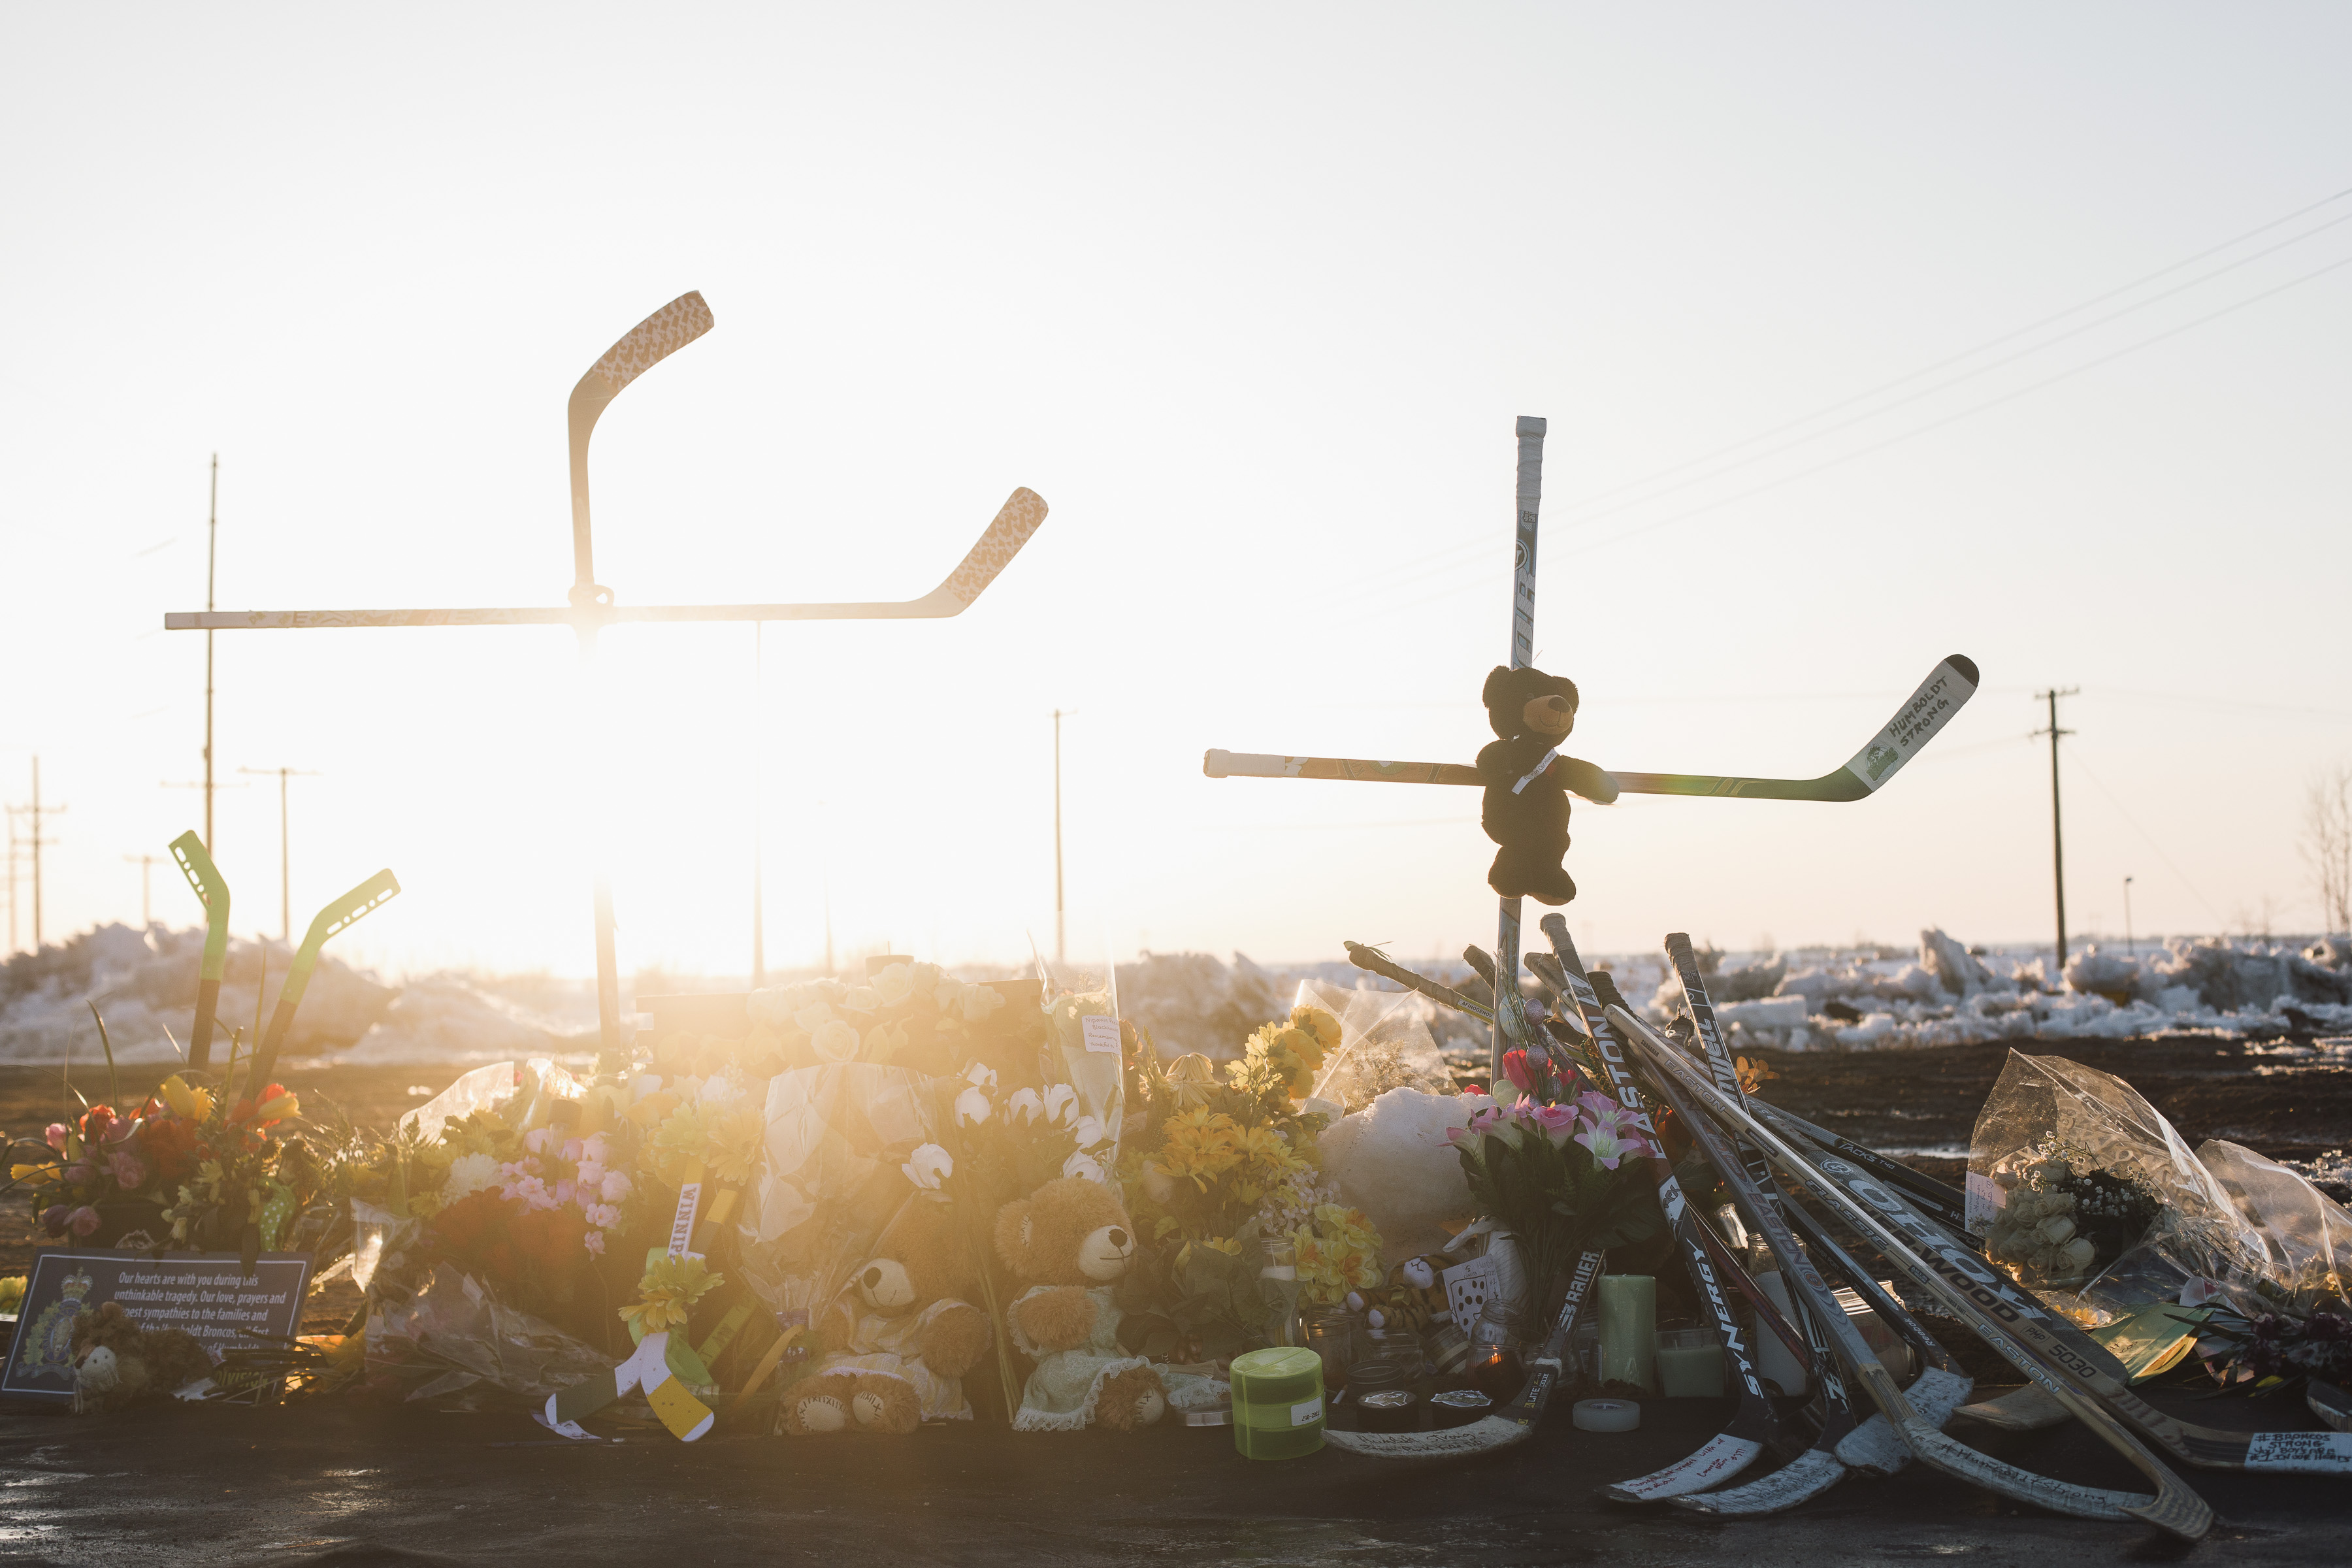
1379, 963
1947, 688
1527, 500
2174, 1507
1940, 1200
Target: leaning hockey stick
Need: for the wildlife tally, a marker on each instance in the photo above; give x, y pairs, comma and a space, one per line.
2174, 1507
1937, 1391
1529, 496
1754, 1425
1939, 1201
361, 901
1948, 686
211, 889
1379, 963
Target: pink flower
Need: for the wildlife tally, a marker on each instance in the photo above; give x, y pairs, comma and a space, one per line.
595, 1242
563, 1190
1558, 1121
128, 1170
617, 1187
571, 1147
57, 1135
594, 1149
536, 1140
603, 1216
82, 1221
590, 1173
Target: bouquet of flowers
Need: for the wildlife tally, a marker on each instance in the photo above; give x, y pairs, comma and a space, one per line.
1563, 1173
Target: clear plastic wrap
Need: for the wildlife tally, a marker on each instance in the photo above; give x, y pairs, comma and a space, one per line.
2306, 1265
442, 1332
1384, 1043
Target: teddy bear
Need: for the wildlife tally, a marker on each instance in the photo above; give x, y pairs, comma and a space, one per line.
1074, 1241
1528, 783
117, 1362
903, 1337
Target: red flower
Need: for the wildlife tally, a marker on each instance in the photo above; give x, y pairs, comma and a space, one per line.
170, 1143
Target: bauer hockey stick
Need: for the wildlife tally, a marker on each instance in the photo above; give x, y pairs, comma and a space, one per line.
1948, 687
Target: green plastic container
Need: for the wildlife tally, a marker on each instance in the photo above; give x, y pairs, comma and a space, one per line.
1277, 1403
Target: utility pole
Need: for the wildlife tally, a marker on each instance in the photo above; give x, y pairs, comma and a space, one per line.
36, 811
146, 864
212, 551
758, 876
2128, 952
2057, 839
1061, 949
285, 875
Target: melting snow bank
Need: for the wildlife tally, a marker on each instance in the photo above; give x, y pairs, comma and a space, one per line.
144, 985
1950, 997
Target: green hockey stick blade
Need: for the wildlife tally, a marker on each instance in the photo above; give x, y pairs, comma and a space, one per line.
211, 889
342, 912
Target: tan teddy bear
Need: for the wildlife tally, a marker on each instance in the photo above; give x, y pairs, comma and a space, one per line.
1073, 1238
117, 1362
904, 1339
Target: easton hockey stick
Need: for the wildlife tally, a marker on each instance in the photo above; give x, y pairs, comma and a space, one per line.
361, 901
1755, 1425
2174, 1507
212, 890
1948, 687
1937, 1391
2188, 1518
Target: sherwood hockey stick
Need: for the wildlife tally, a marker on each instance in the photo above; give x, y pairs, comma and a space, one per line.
2174, 1507
1755, 1426
212, 890
1514, 1424
1948, 687
1939, 1389
361, 901
1674, 1079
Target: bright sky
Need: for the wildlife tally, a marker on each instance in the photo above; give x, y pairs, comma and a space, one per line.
1252, 295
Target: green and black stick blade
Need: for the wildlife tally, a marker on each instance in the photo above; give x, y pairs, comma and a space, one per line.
211, 889
361, 901
1947, 688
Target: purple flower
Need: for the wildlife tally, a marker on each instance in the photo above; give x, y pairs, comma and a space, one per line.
53, 1219
130, 1172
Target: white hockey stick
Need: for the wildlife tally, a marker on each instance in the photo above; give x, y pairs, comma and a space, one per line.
2174, 1507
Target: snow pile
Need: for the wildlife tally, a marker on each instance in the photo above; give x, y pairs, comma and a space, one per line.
144, 984
1951, 996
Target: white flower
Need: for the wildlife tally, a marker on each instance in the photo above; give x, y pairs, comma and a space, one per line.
981, 1076
1023, 1106
1061, 1103
928, 1166
1088, 1134
978, 1001
813, 1017
863, 999
834, 1042
971, 1107
1085, 1165
616, 1186
468, 1174
895, 983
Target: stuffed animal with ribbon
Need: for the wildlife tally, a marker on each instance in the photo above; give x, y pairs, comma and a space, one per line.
1528, 783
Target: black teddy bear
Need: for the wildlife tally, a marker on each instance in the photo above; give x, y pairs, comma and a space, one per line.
1528, 783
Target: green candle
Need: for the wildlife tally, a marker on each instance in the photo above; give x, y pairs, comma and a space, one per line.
1628, 1330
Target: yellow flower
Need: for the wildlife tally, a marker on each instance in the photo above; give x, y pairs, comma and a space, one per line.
1199, 1146
667, 1295
736, 1136
190, 1104
1318, 1023
1338, 1251
680, 1142
1230, 1246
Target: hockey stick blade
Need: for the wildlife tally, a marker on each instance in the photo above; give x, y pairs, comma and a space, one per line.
2173, 1508
1947, 688
1801, 1479
1019, 518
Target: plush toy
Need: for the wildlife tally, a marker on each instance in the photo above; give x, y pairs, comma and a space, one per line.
1072, 1238
904, 1338
117, 1362
1528, 783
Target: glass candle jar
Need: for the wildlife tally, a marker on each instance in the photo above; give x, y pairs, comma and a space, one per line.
1331, 1334
1494, 1368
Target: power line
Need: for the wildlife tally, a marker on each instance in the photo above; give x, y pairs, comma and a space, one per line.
2084, 768
2057, 840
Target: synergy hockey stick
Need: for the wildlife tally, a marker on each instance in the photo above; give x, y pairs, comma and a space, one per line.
1937, 1391
1511, 1424
2174, 1507
1948, 687
343, 912
211, 889
1754, 1425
